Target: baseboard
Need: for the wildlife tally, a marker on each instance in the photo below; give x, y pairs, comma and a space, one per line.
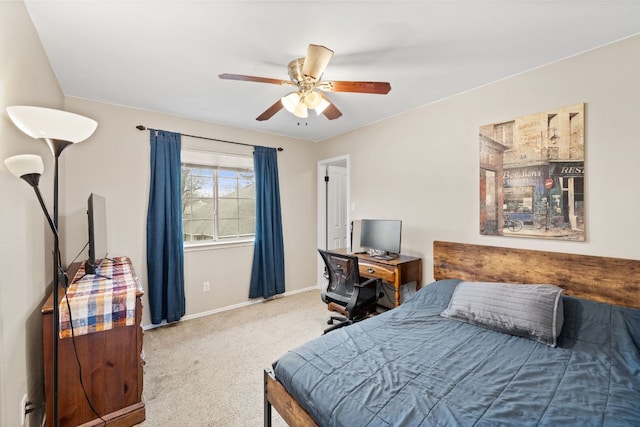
231, 307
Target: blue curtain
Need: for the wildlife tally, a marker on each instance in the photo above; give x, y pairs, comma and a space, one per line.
165, 255
267, 274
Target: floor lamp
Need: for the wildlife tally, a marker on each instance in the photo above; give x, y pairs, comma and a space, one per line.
58, 129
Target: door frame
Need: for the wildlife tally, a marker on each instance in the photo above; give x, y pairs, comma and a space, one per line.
343, 161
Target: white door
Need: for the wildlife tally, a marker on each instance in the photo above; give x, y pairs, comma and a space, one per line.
333, 202
337, 236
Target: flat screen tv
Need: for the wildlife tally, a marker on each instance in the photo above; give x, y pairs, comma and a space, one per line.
381, 237
97, 220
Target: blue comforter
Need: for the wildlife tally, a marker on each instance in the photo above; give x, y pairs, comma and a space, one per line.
411, 367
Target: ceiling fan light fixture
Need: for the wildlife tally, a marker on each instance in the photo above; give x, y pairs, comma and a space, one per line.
312, 100
322, 105
290, 102
305, 74
301, 111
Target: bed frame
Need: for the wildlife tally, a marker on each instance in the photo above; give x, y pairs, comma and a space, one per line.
604, 279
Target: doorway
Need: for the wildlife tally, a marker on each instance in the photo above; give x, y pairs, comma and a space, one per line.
333, 201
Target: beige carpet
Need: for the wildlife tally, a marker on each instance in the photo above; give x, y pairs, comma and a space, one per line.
208, 371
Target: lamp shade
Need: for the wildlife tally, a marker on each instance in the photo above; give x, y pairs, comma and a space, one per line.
290, 101
301, 111
24, 164
312, 100
47, 123
322, 106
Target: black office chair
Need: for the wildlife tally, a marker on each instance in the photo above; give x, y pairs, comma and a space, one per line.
346, 292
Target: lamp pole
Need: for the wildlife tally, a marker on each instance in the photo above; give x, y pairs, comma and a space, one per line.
56, 307
56, 146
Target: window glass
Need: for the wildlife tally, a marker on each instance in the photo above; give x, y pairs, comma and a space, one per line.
504, 133
218, 197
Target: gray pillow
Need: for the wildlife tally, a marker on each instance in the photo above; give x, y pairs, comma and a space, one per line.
530, 311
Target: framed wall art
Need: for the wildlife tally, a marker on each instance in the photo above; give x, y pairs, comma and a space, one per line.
532, 176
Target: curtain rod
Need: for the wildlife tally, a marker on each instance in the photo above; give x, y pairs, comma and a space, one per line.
141, 127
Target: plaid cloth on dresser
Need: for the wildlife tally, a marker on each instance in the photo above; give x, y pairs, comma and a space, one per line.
100, 303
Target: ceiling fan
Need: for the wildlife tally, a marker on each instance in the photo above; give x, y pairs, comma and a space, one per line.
306, 75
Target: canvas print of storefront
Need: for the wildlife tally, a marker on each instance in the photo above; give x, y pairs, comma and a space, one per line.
532, 176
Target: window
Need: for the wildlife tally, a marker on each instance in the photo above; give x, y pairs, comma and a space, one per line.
504, 133
518, 200
218, 197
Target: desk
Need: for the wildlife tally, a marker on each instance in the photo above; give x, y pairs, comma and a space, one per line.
397, 272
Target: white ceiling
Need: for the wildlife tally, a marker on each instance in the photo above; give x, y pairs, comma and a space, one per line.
165, 56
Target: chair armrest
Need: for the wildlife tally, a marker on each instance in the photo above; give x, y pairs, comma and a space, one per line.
375, 285
364, 294
368, 283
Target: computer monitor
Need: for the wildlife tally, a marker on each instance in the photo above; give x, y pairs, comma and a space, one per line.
97, 221
381, 236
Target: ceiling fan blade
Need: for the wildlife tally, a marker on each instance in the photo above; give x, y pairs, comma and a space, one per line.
269, 112
316, 61
227, 76
379, 88
331, 112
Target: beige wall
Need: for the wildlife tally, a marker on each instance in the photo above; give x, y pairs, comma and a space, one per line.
423, 166
25, 238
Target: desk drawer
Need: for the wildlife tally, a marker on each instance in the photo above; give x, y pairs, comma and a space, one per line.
377, 271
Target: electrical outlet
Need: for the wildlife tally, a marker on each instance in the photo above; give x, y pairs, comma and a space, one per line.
23, 409
206, 286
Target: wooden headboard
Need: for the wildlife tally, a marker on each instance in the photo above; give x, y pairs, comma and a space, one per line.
610, 280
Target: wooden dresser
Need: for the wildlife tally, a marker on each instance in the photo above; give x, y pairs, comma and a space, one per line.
111, 363
396, 272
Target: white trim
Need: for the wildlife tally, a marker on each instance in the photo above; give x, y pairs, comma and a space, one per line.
322, 164
194, 247
229, 307
214, 158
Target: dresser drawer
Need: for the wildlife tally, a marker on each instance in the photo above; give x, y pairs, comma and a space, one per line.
387, 274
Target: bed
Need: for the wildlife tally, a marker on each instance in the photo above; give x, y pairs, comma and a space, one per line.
413, 367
